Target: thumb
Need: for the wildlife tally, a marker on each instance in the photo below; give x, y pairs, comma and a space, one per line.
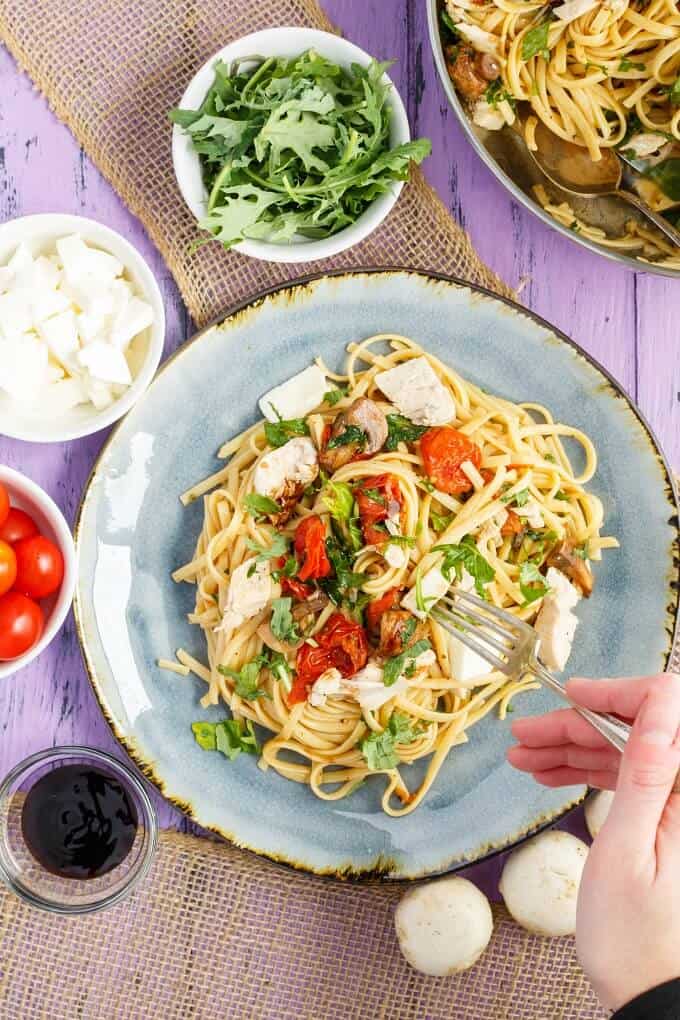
649, 767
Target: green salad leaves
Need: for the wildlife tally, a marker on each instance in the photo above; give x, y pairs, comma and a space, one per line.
295, 146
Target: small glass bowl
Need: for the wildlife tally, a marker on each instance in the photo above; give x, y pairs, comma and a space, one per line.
25, 876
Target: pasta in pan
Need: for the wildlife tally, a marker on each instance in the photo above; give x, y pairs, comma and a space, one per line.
314, 584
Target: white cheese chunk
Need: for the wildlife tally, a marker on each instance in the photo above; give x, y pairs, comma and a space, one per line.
433, 585
555, 623
573, 9
296, 461
61, 336
487, 116
296, 397
532, 513
81, 262
6, 278
466, 665
131, 320
15, 314
246, 595
24, 368
62, 396
105, 362
21, 260
329, 683
368, 687
395, 555
98, 393
417, 392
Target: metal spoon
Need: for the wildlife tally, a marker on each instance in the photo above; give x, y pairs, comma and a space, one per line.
570, 167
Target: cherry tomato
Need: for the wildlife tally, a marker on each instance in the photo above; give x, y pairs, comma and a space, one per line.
513, 525
378, 497
375, 609
341, 643
4, 504
443, 450
21, 624
8, 567
310, 548
17, 525
40, 567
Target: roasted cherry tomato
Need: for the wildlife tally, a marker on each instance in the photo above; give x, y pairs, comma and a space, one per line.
4, 504
378, 497
444, 449
299, 591
513, 525
17, 525
310, 549
8, 567
341, 643
375, 610
40, 567
21, 624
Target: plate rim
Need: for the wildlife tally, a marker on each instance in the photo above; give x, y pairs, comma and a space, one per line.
629, 262
251, 303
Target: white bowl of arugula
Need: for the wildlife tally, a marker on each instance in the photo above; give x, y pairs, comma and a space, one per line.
291, 145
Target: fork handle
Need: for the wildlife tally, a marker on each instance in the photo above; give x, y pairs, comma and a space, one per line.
611, 728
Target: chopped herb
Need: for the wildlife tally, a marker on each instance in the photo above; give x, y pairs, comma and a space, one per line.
277, 433
440, 522
575, 226
282, 623
401, 430
466, 556
583, 551
379, 749
401, 663
351, 434
423, 604
278, 666
674, 92
448, 22
406, 540
598, 67
496, 93
339, 500
229, 736
279, 547
630, 65
341, 589
531, 582
426, 484
561, 494
247, 679
332, 397
289, 569
549, 457
260, 506
374, 495
518, 498
408, 631
535, 42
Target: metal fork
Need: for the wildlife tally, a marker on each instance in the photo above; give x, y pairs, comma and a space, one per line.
511, 646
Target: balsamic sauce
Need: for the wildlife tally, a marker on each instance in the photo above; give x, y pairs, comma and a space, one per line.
78, 822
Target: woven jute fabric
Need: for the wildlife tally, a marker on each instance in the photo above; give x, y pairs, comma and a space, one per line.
111, 70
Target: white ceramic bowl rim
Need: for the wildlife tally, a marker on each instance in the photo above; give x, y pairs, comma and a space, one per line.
43, 226
287, 41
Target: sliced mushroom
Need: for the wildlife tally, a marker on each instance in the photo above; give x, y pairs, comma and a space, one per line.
487, 66
363, 414
564, 558
394, 635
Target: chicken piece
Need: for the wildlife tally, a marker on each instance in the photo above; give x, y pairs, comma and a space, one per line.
284, 474
394, 632
365, 415
564, 558
470, 71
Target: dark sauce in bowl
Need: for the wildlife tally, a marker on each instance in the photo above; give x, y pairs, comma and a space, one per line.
78, 822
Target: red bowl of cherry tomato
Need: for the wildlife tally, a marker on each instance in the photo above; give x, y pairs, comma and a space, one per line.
37, 570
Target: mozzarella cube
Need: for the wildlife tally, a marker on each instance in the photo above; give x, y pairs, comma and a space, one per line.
61, 336
90, 326
247, 595
105, 362
296, 461
296, 397
45, 303
60, 397
98, 393
466, 665
15, 314
433, 585
417, 392
131, 320
329, 683
555, 623
6, 278
25, 365
82, 263
395, 555
21, 260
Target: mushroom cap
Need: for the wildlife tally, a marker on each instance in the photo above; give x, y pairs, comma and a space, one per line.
597, 809
443, 927
540, 883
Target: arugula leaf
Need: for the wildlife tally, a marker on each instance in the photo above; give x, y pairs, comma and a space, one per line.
341, 588
666, 175
247, 679
448, 22
401, 430
440, 522
404, 662
277, 433
408, 631
535, 42
289, 569
423, 604
229, 736
466, 555
278, 666
496, 93
379, 749
259, 506
339, 500
282, 623
374, 495
332, 397
520, 498
531, 582
279, 547
351, 434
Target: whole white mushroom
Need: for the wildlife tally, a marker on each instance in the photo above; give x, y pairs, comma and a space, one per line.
597, 809
443, 927
540, 883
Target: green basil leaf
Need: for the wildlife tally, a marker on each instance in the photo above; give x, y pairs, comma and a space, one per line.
401, 430
277, 433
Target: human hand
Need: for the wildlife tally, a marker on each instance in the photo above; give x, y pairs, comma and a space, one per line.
628, 918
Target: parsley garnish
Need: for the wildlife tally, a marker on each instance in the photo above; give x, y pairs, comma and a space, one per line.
332, 397
282, 623
341, 589
279, 547
277, 433
401, 430
374, 495
246, 679
351, 434
440, 522
520, 498
531, 582
230, 737
630, 65
259, 506
535, 42
379, 749
289, 569
496, 93
466, 556
404, 663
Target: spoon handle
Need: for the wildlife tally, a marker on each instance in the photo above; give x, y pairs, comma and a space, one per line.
659, 221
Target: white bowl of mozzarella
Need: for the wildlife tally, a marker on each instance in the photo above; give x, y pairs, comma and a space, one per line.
82, 326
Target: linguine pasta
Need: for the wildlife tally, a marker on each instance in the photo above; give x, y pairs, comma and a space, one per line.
524, 464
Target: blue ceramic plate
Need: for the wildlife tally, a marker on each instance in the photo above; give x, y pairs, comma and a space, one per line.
133, 531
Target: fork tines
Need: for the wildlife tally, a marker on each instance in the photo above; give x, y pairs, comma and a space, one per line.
492, 633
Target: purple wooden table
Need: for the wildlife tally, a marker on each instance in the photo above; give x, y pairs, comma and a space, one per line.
628, 321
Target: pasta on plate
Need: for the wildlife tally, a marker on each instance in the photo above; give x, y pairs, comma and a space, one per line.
333, 529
